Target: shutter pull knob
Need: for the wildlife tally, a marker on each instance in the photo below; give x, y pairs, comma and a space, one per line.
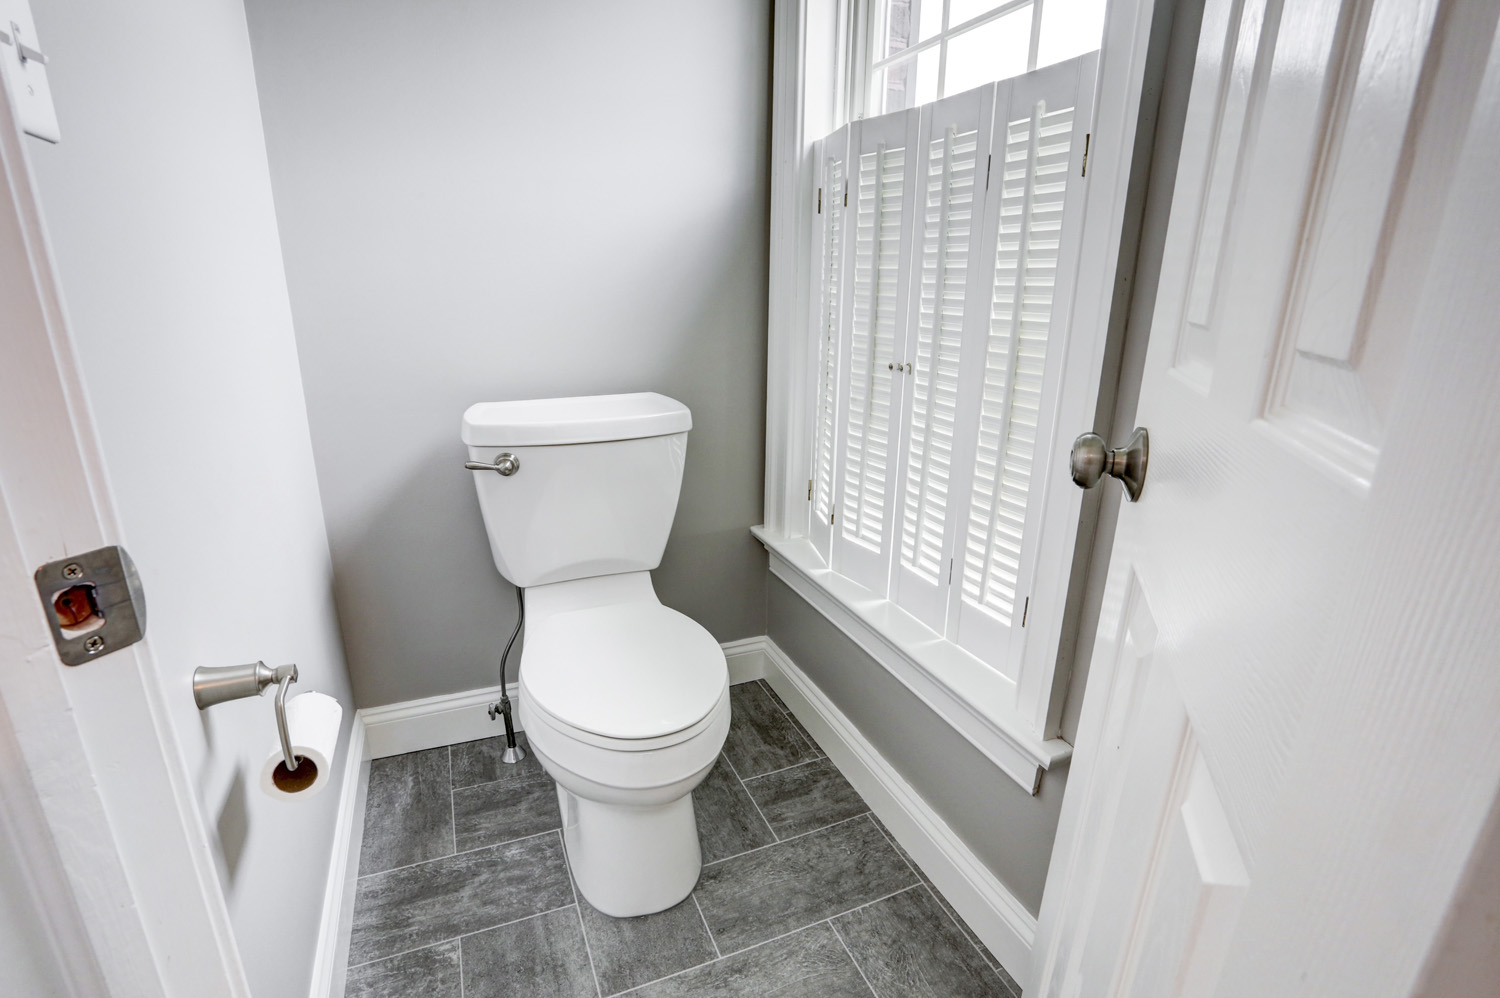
1091, 461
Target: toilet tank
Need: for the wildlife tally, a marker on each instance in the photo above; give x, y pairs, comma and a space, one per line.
596, 487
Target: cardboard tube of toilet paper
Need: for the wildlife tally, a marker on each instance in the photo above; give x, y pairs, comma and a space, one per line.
313, 720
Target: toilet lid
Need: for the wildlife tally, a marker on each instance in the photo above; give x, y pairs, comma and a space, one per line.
628, 670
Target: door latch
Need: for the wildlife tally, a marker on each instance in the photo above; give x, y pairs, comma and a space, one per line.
94, 603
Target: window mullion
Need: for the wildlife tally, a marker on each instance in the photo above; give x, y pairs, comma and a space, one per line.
943, 53
1036, 34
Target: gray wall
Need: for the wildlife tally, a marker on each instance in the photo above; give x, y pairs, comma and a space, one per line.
158, 208
483, 200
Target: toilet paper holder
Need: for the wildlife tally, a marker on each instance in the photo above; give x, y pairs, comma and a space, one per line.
215, 684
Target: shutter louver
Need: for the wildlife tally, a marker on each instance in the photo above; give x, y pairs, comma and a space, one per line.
833, 154
955, 146
1033, 182
877, 241
1036, 156
880, 204
944, 275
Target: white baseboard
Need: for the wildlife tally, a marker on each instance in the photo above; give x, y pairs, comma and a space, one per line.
461, 717
432, 722
746, 658
995, 914
338, 893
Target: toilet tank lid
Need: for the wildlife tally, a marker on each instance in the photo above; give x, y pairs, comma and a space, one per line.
581, 420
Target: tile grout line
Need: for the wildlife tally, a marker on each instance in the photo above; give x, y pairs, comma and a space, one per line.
466, 852
789, 838
774, 837
710, 963
711, 940
783, 769
840, 937
459, 938
943, 905
763, 942
452, 808
583, 929
461, 969
805, 737
837, 914
966, 932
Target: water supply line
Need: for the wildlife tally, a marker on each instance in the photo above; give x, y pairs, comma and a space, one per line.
513, 753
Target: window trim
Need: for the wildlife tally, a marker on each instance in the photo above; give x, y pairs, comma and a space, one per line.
870, 64
813, 89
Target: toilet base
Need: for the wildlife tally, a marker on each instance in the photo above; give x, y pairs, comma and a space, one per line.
631, 860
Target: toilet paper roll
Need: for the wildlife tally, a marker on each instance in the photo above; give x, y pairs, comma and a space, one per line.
313, 720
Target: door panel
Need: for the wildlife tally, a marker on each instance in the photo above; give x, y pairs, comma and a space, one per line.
1295, 339
1333, 384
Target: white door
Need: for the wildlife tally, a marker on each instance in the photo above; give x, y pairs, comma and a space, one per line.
1289, 743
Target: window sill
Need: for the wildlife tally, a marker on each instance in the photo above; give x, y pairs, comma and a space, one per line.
975, 700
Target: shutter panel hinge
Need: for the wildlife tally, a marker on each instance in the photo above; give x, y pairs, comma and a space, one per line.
1025, 609
988, 162
846, 194
1086, 137
830, 519
820, 200
809, 490
950, 571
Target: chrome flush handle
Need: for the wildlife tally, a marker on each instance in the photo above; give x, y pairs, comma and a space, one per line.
507, 464
1091, 461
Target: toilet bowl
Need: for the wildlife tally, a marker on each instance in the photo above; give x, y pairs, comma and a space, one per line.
626, 704
625, 701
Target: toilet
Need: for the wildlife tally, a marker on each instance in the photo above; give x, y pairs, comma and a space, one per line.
624, 701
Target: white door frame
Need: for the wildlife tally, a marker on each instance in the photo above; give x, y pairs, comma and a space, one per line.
103, 808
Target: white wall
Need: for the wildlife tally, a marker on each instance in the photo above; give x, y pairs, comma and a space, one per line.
158, 206
484, 200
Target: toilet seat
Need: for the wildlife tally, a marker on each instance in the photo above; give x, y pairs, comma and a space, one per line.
629, 675
651, 771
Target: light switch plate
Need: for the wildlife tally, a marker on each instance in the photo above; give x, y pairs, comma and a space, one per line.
26, 79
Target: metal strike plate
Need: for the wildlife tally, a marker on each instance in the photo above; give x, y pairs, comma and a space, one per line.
94, 603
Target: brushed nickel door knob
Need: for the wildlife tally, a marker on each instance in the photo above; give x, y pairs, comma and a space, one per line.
1091, 460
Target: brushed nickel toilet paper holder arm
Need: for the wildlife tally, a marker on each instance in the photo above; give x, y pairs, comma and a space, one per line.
215, 684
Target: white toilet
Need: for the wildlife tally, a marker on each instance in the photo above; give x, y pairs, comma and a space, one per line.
624, 701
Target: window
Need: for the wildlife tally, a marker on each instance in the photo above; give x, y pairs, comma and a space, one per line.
940, 294
923, 50
944, 266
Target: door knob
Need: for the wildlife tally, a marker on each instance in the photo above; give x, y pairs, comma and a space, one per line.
507, 464
1091, 461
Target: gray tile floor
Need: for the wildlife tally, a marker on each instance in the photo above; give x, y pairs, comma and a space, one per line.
464, 888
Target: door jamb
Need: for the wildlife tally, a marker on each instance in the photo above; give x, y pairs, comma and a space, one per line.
113, 796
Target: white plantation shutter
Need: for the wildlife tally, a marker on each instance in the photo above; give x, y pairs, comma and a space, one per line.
944, 331
882, 163
1035, 209
944, 288
832, 156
